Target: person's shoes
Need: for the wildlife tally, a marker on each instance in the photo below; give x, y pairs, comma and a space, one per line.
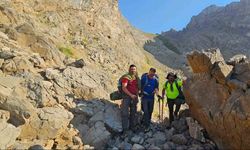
147, 129
176, 117
168, 126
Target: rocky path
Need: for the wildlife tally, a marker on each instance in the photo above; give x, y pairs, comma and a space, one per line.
99, 124
181, 135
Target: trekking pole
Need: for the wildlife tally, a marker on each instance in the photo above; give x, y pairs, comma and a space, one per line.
162, 106
159, 104
160, 111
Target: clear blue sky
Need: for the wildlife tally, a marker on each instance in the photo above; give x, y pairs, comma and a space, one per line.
155, 16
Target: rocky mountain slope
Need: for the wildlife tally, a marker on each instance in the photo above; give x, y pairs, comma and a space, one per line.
93, 31
57, 56
226, 28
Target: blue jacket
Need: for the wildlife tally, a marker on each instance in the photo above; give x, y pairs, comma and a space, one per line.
148, 86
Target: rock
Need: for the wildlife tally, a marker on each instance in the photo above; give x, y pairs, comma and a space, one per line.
25, 28
22, 64
149, 134
41, 93
202, 62
137, 147
78, 63
115, 148
240, 58
97, 136
83, 108
20, 109
222, 109
77, 140
88, 147
235, 84
6, 55
10, 82
112, 117
52, 74
169, 145
48, 124
37, 60
48, 51
1, 62
4, 115
3, 36
179, 139
180, 125
241, 68
137, 139
169, 134
195, 130
221, 71
159, 138
9, 66
36, 147
125, 145
97, 117
8, 134
154, 147
196, 147
183, 147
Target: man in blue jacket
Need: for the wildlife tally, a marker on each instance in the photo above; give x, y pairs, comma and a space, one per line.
149, 87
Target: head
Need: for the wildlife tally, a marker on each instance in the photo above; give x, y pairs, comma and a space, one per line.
171, 77
151, 72
132, 70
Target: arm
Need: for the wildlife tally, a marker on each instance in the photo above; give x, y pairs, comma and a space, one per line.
125, 90
156, 91
163, 93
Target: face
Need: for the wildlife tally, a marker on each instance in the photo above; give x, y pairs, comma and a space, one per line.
171, 78
132, 70
151, 74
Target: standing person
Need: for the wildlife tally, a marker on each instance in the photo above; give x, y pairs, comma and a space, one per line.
171, 90
130, 89
150, 87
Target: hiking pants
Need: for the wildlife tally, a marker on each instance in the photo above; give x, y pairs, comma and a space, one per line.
128, 111
171, 103
147, 106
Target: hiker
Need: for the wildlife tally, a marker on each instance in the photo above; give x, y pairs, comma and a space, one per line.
150, 87
171, 89
130, 89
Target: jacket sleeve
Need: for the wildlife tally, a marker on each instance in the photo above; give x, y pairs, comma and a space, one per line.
180, 83
157, 84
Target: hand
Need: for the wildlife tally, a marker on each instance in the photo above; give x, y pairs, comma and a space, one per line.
133, 97
140, 94
159, 96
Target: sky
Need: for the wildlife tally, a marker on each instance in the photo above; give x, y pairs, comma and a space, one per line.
156, 16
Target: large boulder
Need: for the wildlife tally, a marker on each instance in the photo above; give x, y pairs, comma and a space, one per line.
218, 98
19, 108
48, 124
98, 136
8, 134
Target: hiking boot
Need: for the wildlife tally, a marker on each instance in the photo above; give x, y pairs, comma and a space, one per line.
125, 134
176, 116
147, 129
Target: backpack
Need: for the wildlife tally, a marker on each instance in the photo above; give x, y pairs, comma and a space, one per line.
146, 82
180, 97
119, 84
116, 95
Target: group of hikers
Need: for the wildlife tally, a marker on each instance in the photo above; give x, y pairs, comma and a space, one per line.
147, 87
